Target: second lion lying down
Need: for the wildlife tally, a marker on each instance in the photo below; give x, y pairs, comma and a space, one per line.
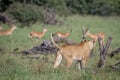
79, 52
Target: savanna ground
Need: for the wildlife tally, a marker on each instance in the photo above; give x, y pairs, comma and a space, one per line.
15, 66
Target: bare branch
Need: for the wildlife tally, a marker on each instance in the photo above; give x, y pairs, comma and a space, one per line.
116, 51
103, 51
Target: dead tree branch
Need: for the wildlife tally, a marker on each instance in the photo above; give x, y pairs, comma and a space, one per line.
103, 51
4, 18
50, 17
116, 51
115, 66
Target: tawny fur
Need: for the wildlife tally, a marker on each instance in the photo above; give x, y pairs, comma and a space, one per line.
62, 35
96, 36
66, 34
78, 52
0, 27
38, 35
9, 31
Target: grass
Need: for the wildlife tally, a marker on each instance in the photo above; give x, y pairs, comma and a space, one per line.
15, 66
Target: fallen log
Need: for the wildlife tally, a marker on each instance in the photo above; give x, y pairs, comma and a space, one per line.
47, 47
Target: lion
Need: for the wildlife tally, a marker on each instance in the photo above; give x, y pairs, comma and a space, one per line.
79, 52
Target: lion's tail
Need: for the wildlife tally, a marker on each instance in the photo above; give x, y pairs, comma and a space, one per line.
54, 42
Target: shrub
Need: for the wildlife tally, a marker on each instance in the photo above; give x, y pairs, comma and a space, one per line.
117, 7
101, 8
79, 6
25, 14
93, 7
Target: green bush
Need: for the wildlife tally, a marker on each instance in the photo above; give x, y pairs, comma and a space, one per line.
100, 8
28, 12
92, 7
25, 14
117, 7
58, 5
79, 6
63, 7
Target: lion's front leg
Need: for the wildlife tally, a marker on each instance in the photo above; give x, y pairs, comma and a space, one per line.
58, 59
84, 61
80, 64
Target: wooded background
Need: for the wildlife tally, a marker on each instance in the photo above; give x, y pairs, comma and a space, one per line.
32, 11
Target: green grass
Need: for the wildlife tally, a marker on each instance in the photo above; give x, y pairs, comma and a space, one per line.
15, 66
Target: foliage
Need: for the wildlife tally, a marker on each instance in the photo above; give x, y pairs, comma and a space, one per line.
26, 9
25, 14
92, 7
100, 7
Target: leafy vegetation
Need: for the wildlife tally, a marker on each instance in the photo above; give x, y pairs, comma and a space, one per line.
29, 12
25, 14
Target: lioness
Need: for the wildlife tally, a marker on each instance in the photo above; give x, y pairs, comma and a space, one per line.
79, 52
